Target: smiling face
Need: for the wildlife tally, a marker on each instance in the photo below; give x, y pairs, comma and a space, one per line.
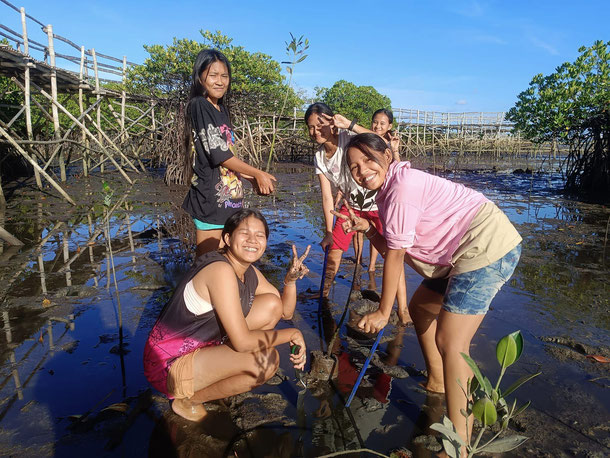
248, 241
381, 125
366, 171
320, 130
215, 80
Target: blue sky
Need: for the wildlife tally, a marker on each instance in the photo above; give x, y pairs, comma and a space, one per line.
430, 55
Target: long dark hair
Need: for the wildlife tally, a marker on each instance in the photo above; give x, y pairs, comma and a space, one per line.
204, 59
386, 112
318, 108
236, 219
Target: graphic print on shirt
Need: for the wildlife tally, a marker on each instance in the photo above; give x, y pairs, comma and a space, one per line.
230, 186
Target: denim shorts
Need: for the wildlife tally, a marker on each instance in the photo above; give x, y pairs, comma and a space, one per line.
471, 293
201, 226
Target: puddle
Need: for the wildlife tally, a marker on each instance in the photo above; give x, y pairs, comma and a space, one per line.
71, 380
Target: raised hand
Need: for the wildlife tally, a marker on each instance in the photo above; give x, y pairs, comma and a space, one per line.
297, 269
394, 145
352, 222
336, 120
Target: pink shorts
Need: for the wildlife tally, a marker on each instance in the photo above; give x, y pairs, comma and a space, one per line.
341, 239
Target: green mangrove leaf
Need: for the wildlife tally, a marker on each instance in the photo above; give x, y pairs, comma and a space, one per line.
522, 408
519, 382
450, 447
477, 373
487, 386
494, 396
503, 445
485, 411
509, 349
448, 430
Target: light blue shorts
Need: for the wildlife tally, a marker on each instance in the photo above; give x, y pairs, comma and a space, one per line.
471, 293
201, 226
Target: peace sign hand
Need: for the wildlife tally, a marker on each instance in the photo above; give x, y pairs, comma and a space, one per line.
297, 269
336, 120
352, 223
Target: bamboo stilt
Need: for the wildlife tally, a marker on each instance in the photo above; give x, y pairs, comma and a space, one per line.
26, 95
35, 165
62, 165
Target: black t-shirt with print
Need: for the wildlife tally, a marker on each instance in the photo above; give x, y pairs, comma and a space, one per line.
216, 192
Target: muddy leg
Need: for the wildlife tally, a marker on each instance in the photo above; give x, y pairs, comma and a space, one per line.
332, 267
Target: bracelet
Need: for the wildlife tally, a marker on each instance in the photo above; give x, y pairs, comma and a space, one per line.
368, 231
293, 282
352, 124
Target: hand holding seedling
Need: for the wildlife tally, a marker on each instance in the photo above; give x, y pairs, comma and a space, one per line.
297, 269
298, 352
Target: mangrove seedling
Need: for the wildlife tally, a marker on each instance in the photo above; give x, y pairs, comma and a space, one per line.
295, 49
488, 404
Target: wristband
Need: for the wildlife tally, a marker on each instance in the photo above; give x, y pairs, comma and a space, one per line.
352, 124
293, 282
370, 231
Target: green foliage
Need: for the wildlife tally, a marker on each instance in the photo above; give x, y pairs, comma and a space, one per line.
488, 405
354, 102
509, 349
554, 105
256, 78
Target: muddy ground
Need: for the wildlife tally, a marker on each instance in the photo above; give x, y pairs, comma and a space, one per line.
74, 327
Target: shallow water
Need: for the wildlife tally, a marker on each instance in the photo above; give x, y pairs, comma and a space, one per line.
71, 379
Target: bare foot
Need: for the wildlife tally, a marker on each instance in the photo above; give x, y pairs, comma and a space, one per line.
432, 387
193, 411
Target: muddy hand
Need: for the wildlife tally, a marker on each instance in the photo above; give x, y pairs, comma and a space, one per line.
373, 322
352, 222
327, 241
264, 182
297, 269
299, 357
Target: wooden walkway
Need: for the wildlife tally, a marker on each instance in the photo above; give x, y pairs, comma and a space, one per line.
82, 102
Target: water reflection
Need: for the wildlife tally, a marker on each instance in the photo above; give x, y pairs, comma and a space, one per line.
68, 261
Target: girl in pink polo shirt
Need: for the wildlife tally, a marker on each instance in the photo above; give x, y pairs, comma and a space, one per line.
458, 240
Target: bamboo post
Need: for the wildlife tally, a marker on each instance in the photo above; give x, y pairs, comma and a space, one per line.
35, 165
26, 95
2, 198
123, 98
62, 165
9, 238
84, 138
99, 107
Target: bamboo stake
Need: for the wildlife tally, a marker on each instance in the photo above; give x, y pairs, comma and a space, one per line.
9, 238
43, 92
26, 95
62, 165
98, 97
123, 133
35, 165
81, 109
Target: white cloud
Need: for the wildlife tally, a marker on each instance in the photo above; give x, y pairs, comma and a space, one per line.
543, 45
461, 102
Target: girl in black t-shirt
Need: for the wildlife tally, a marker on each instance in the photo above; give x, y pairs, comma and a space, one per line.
216, 187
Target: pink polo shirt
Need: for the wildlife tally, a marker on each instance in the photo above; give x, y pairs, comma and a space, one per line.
425, 214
